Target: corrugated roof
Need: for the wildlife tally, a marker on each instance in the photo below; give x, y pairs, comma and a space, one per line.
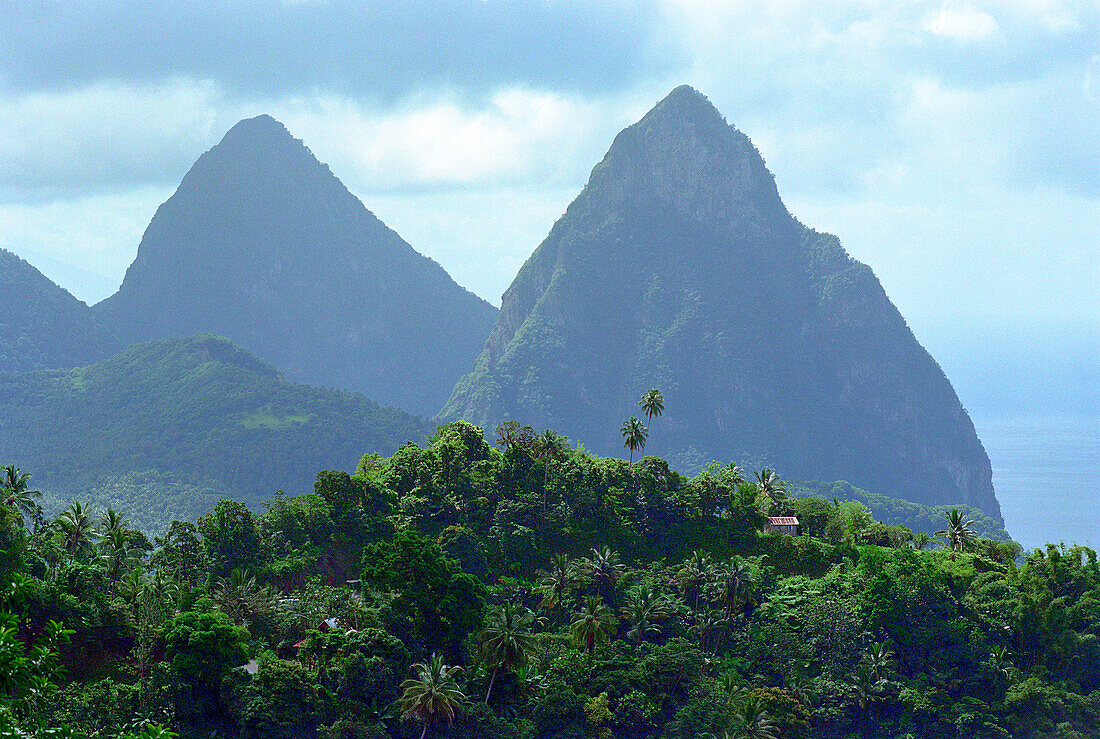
782, 521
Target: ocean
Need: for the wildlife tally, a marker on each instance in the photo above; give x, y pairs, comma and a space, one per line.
1046, 473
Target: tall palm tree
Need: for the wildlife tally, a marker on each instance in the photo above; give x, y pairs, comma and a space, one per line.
111, 521
604, 568
634, 435
736, 585
593, 625
433, 694
548, 446
559, 580
241, 597
769, 483
117, 554
643, 608
694, 576
958, 534
653, 404
15, 491
77, 530
506, 640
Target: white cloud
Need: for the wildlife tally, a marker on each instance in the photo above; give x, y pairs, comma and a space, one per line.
962, 23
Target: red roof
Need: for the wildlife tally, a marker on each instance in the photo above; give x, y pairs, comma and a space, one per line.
782, 521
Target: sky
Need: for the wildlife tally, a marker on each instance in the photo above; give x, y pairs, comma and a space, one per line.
952, 146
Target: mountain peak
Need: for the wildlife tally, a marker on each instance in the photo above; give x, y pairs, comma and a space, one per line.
683, 153
262, 127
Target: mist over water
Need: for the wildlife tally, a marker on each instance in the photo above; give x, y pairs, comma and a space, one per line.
1046, 471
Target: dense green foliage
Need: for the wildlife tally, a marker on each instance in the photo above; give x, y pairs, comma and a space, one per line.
462, 590
163, 430
263, 244
678, 267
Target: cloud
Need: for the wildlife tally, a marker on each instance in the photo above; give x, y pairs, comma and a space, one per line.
366, 49
962, 24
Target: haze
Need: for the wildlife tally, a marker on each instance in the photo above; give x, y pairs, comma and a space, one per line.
954, 147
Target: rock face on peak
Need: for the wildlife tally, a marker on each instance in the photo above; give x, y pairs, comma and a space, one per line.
42, 326
263, 244
678, 267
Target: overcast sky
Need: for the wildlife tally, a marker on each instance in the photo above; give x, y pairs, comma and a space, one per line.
952, 146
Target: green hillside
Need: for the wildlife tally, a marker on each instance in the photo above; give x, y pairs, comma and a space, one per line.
199, 413
42, 326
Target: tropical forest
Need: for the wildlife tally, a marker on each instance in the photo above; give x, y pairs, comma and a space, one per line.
510, 584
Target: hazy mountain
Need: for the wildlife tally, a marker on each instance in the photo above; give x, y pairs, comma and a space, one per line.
678, 267
168, 425
261, 243
42, 326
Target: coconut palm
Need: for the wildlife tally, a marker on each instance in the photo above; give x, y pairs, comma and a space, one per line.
604, 568
770, 485
593, 625
653, 404
868, 687
77, 530
735, 582
642, 609
241, 597
634, 435
559, 580
506, 640
1000, 664
754, 721
433, 694
694, 576
548, 447
958, 534
111, 522
117, 554
879, 660
15, 491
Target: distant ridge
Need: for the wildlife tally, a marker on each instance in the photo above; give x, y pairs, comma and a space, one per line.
262, 244
678, 267
42, 326
180, 418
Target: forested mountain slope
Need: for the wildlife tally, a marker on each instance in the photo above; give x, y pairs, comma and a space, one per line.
162, 429
679, 267
263, 244
42, 326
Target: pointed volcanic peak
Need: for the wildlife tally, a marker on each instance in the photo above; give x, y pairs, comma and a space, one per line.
42, 326
263, 244
678, 268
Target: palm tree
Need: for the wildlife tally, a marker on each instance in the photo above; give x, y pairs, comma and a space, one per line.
958, 534
111, 521
1000, 664
653, 404
506, 640
77, 530
736, 585
604, 568
867, 685
755, 722
593, 625
15, 491
561, 578
548, 446
634, 435
642, 609
432, 694
241, 597
879, 660
696, 572
770, 485
117, 554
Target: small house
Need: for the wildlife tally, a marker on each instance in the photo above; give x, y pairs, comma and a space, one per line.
782, 524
